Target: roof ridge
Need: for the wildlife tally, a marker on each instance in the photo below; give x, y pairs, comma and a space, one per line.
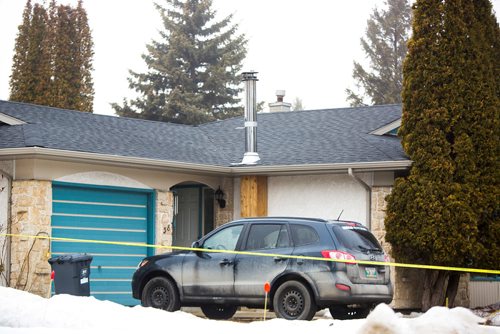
90, 114
307, 110
337, 108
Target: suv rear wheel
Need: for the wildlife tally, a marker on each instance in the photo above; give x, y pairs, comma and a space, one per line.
218, 312
161, 292
293, 301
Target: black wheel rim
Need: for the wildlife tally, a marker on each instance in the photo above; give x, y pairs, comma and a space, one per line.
292, 303
159, 297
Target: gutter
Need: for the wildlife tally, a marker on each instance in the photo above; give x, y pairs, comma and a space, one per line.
186, 167
368, 196
109, 159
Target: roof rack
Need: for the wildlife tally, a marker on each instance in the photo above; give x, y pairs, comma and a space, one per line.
287, 217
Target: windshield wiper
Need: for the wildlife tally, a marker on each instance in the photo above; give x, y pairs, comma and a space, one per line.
365, 249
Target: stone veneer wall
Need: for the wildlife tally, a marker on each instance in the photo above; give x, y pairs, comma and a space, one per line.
31, 214
164, 218
225, 215
407, 282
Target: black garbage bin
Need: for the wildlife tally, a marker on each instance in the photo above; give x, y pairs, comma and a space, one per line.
71, 274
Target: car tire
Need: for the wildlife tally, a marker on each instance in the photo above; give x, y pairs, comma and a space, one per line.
161, 293
342, 312
293, 301
218, 312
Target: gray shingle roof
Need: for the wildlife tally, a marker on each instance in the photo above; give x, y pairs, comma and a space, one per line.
292, 138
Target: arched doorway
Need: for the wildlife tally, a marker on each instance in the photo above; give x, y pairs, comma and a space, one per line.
193, 212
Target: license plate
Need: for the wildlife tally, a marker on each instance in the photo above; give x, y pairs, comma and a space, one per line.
371, 272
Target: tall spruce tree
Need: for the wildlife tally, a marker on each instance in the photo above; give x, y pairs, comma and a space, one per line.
52, 62
446, 211
387, 33
72, 85
30, 78
192, 71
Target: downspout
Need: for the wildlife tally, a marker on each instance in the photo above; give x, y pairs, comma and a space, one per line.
368, 196
9, 223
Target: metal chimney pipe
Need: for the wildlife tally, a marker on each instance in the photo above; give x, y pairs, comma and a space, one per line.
251, 157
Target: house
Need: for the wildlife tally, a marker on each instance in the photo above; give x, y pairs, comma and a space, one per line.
78, 175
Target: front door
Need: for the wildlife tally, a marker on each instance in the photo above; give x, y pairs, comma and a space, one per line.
187, 221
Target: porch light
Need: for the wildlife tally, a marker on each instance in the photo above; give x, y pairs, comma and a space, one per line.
219, 197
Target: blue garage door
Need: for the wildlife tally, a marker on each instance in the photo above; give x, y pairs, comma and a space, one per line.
109, 214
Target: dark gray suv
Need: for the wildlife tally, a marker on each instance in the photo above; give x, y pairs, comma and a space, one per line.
220, 282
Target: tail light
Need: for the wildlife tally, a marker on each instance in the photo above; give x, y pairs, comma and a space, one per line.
338, 255
386, 258
343, 287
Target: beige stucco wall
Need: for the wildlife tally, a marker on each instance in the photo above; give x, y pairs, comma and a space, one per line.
41, 169
31, 212
319, 196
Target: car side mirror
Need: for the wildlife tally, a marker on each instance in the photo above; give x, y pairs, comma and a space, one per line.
198, 245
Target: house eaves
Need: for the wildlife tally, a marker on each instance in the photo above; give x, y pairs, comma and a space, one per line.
9, 120
387, 128
192, 168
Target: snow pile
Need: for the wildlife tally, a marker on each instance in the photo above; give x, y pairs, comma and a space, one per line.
437, 320
24, 313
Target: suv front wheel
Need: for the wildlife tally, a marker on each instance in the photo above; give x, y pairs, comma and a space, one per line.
161, 292
293, 301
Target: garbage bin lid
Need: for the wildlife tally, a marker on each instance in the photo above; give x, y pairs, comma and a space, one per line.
70, 258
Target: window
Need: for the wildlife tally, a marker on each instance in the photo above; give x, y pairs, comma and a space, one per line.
358, 238
224, 239
267, 236
304, 235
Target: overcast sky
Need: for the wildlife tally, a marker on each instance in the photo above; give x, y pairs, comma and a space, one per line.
304, 47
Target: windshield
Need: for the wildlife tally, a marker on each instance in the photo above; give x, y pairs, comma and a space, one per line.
356, 238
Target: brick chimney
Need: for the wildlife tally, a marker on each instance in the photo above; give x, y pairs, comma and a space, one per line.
279, 105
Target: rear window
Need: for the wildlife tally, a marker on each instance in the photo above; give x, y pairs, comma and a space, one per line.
356, 238
304, 235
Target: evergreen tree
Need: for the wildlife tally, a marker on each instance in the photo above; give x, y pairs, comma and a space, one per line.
52, 61
72, 85
83, 58
297, 104
30, 78
192, 71
387, 33
446, 211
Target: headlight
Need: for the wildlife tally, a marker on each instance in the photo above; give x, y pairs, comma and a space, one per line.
142, 263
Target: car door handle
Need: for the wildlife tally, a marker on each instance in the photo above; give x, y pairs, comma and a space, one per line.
279, 259
300, 261
225, 262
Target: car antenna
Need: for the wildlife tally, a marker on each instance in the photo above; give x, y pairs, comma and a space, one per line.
340, 214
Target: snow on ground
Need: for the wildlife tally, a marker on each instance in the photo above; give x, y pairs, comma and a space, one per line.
25, 313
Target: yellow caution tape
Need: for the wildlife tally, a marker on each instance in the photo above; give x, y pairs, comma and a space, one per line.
136, 244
